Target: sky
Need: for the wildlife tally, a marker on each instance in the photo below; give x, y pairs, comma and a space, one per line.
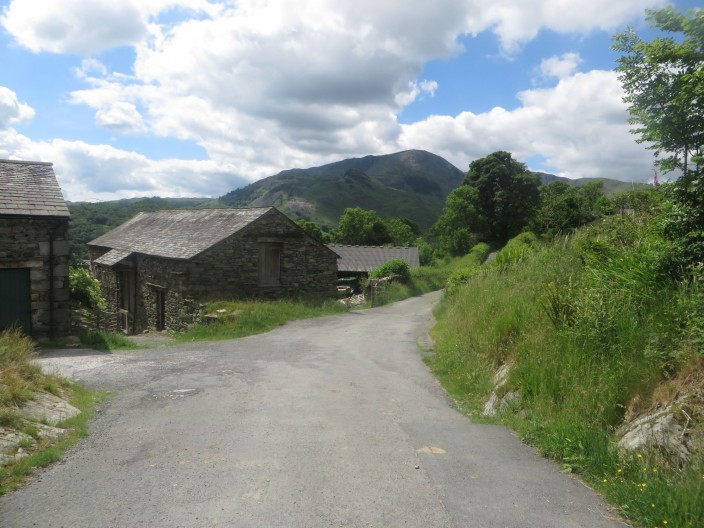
188, 98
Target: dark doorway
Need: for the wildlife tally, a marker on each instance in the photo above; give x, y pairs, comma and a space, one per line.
15, 299
160, 309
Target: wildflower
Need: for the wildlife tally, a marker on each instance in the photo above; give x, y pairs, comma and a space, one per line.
652, 505
641, 456
605, 481
664, 522
619, 470
655, 470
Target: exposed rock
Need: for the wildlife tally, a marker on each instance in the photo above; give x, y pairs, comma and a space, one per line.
49, 432
48, 408
11, 438
497, 404
44, 407
675, 428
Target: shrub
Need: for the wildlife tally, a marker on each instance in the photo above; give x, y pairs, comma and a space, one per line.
460, 277
396, 267
517, 249
84, 289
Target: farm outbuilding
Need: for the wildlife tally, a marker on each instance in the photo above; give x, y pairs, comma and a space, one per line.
156, 269
360, 260
34, 251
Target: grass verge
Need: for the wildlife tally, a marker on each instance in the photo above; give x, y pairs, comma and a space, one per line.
19, 381
243, 318
592, 333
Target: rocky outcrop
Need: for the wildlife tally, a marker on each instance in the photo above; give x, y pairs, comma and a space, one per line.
38, 416
498, 402
676, 428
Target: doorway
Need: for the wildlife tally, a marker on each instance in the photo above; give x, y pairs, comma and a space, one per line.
15, 299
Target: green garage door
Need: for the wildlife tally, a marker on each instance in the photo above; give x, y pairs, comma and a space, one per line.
15, 299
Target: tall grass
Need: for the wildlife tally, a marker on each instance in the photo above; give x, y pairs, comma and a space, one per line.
19, 377
590, 329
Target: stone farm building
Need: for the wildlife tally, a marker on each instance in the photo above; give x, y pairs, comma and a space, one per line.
360, 260
157, 268
34, 252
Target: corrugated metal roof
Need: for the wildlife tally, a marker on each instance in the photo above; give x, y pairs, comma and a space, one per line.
358, 259
30, 188
179, 234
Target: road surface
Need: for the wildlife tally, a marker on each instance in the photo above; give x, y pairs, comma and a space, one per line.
333, 421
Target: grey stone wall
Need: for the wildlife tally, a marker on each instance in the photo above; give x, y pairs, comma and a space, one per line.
231, 269
25, 243
228, 270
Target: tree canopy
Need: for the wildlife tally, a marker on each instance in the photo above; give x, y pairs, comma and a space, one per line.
664, 84
494, 203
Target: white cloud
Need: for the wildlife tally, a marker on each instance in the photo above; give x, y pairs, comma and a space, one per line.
74, 26
580, 128
12, 110
560, 66
518, 21
264, 85
122, 117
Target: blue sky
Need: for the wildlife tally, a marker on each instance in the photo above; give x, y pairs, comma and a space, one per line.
198, 97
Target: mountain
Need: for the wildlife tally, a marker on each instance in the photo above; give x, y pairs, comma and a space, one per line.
412, 184
608, 186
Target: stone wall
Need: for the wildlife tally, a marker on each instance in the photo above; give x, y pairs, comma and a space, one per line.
228, 270
107, 277
25, 243
231, 269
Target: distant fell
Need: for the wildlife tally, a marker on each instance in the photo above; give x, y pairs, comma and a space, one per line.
608, 186
412, 184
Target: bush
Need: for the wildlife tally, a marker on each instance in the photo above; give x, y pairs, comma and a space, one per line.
460, 277
517, 249
84, 289
396, 267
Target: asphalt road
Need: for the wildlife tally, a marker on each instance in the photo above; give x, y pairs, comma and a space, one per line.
326, 422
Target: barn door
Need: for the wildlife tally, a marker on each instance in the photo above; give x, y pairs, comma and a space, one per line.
15, 299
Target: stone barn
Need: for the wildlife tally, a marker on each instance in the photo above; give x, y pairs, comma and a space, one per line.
34, 252
157, 268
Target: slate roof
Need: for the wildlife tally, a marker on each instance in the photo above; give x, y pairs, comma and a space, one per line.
30, 188
178, 234
358, 259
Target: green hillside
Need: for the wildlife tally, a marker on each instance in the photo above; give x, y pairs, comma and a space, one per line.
411, 184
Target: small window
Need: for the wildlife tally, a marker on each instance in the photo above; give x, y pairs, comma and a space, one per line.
269, 264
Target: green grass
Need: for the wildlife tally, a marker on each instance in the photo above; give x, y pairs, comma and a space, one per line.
587, 335
106, 341
243, 318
